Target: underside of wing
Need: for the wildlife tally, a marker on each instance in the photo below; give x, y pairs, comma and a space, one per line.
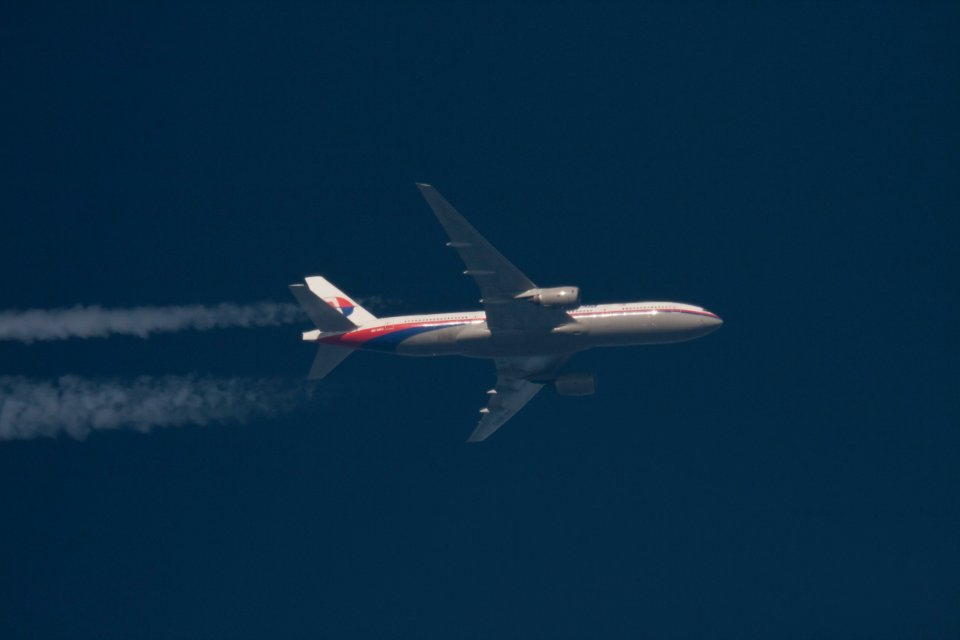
499, 280
510, 396
518, 380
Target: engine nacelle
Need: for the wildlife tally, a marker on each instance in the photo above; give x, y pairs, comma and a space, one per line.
553, 296
576, 384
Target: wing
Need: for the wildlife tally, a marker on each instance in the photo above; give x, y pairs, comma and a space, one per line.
518, 380
499, 280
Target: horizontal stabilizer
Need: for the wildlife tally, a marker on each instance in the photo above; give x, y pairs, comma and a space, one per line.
325, 317
327, 360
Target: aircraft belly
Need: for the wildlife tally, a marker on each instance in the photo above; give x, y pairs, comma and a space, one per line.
476, 340
483, 344
634, 329
430, 341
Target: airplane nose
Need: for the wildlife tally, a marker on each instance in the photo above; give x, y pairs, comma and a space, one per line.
711, 322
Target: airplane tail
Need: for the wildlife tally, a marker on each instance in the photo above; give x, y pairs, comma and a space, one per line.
332, 311
328, 307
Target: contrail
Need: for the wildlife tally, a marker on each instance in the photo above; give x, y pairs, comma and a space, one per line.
76, 406
96, 322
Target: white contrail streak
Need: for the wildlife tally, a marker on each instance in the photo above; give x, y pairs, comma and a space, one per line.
76, 406
96, 322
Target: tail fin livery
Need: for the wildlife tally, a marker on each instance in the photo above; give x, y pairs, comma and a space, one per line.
340, 301
325, 317
329, 308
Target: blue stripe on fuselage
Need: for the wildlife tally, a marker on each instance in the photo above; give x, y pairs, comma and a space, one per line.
389, 341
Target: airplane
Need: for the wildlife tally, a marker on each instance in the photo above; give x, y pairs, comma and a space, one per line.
529, 332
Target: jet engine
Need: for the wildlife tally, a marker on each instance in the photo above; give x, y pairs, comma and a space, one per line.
553, 297
576, 384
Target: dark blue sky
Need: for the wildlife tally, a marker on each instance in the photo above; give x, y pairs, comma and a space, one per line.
793, 168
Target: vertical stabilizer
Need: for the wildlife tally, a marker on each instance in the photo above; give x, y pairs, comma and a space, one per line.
340, 301
325, 317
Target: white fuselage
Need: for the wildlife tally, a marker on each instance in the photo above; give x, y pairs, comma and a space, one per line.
466, 333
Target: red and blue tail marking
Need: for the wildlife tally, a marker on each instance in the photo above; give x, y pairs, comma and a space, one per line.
342, 305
